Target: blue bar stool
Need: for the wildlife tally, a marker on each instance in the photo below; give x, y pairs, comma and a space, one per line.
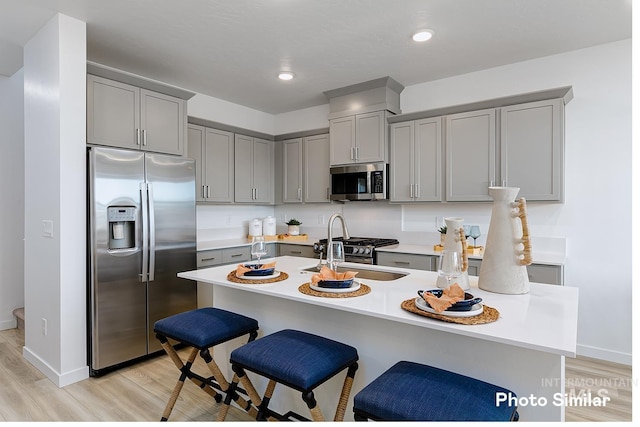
410, 391
299, 360
202, 329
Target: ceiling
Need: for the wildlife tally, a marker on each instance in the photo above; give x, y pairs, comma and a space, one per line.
234, 49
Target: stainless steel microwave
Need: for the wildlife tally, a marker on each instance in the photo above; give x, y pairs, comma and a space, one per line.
360, 182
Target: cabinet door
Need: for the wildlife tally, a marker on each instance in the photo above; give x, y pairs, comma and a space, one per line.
195, 143
263, 170
542, 273
219, 166
471, 155
113, 113
428, 160
414, 261
296, 250
531, 149
402, 162
292, 171
316, 169
209, 258
162, 121
236, 255
370, 137
474, 267
243, 168
342, 139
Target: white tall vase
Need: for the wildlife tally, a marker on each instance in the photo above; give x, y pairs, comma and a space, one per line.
452, 242
508, 248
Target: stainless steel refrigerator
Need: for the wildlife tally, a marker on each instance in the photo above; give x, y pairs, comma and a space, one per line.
142, 232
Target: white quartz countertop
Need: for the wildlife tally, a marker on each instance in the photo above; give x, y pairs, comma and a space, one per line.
545, 319
538, 257
234, 243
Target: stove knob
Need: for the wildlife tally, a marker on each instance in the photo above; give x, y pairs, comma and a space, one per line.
316, 247
367, 251
361, 250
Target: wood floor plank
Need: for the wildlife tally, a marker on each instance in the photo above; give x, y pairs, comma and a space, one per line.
140, 392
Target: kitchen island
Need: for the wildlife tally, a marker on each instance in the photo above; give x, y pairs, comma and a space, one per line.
523, 350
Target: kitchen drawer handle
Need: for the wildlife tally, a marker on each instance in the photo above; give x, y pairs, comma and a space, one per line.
144, 137
235, 255
402, 262
137, 136
296, 252
207, 259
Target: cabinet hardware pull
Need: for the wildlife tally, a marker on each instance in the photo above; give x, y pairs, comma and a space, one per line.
411, 191
357, 153
297, 252
351, 155
504, 182
235, 255
144, 137
204, 195
256, 192
417, 191
299, 193
207, 259
402, 262
137, 136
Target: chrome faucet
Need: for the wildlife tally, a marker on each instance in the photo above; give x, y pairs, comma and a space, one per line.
345, 232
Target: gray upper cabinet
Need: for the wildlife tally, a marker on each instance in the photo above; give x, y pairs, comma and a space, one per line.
305, 174
358, 139
316, 169
470, 152
213, 151
532, 149
416, 161
122, 115
253, 174
292, 170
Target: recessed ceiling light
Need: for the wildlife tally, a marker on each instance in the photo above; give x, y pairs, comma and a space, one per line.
285, 75
422, 35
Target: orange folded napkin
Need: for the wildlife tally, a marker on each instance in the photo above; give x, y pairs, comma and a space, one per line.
328, 274
242, 269
450, 296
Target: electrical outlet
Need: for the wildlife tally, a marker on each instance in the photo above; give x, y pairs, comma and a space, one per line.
44, 326
47, 228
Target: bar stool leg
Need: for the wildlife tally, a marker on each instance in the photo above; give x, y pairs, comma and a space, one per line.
346, 391
178, 387
316, 413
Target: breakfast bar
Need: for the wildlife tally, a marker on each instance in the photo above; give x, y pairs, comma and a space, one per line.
522, 350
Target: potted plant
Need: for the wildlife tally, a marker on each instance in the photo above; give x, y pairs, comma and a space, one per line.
294, 227
443, 233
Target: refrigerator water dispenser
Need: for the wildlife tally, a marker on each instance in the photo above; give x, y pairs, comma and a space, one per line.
122, 226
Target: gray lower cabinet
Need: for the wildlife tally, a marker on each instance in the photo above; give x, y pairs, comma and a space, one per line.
413, 261
474, 267
542, 273
212, 150
215, 257
304, 251
126, 116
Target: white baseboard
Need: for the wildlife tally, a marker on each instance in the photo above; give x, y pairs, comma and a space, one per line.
58, 379
602, 354
8, 324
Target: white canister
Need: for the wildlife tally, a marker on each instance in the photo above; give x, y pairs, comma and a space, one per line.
269, 226
255, 227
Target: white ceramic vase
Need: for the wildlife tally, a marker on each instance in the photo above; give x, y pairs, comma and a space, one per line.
293, 230
508, 248
452, 242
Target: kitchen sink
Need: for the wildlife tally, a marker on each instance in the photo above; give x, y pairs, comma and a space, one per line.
365, 273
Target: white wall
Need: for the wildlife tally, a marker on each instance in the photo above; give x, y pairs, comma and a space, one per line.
12, 195
596, 215
54, 269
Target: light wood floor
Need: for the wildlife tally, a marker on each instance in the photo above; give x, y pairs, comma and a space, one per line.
140, 392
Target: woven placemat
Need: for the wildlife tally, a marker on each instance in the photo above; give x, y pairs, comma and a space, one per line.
233, 278
488, 315
305, 288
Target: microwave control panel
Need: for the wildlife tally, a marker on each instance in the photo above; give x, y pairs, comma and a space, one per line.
377, 182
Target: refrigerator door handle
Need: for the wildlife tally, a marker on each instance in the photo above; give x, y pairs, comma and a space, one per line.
152, 234
145, 232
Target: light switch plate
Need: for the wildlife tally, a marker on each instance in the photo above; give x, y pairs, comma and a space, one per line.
47, 228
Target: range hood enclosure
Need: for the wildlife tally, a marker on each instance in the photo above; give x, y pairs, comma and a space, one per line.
373, 95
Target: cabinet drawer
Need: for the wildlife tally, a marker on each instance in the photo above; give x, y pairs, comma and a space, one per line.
233, 255
296, 250
542, 273
209, 258
417, 262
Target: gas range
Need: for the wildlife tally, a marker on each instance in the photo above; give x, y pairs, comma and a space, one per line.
356, 249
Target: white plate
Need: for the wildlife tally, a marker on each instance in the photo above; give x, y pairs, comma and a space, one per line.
475, 310
354, 287
270, 276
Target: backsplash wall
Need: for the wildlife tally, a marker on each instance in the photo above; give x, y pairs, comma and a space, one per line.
415, 224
